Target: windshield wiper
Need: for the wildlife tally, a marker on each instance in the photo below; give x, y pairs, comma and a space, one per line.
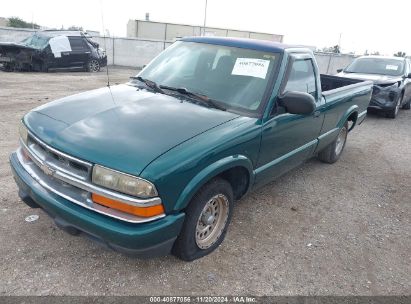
151, 84
202, 98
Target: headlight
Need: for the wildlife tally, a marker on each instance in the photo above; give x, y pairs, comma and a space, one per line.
123, 182
23, 132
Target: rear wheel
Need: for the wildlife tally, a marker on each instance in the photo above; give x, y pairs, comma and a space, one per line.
334, 150
93, 66
206, 222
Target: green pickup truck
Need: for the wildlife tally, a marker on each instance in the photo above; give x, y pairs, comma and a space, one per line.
155, 165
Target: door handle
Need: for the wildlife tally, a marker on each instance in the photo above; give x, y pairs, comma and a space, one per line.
317, 113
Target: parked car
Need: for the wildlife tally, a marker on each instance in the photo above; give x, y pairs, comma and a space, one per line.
154, 165
392, 81
53, 50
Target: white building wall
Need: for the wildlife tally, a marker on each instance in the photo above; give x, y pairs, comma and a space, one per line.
171, 31
175, 30
151, 30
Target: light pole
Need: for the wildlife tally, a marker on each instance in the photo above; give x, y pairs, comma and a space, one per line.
205, 17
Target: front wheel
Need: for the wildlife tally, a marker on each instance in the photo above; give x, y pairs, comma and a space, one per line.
93, 66
394, 112
334, 150
206, 221
407, 106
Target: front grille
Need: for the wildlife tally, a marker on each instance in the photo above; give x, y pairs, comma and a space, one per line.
74, 194
59, 161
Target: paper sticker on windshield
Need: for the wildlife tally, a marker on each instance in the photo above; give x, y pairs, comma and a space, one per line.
251, 67
391, 67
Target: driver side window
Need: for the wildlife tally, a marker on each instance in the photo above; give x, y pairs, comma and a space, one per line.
302, 78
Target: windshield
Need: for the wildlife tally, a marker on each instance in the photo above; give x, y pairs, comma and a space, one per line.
235, 77
36, 41
380, 66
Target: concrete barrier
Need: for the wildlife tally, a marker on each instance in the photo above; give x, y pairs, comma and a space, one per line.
130, 52
329, 63
10, 34
135, 52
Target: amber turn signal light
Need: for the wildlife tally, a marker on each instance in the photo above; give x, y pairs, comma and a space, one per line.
135, 210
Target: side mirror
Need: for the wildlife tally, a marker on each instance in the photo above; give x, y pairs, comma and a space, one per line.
298, 103
339, 70
408, 76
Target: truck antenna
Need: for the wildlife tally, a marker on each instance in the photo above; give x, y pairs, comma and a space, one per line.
105, 44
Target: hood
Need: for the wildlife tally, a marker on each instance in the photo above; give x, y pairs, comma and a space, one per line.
377, 79
12, 46
122, 127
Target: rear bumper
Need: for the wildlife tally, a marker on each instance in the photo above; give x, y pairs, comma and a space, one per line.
142, 240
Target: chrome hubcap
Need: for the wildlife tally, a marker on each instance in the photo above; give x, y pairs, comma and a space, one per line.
93, 65
212, 220
207, 219
341, 140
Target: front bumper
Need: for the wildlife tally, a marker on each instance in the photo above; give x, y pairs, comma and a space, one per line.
384, 98
143, 240
103, 61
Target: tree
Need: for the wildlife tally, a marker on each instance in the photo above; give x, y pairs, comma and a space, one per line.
400, 54
18, 22
336, 49
333, 49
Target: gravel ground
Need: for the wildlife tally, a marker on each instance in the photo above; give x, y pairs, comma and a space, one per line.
341, 229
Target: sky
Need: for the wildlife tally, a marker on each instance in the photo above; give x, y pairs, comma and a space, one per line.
363, 25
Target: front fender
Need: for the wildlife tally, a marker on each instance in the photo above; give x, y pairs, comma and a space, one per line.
211, 171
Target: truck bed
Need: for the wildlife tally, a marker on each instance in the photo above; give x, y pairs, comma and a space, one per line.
333, 87
329, 82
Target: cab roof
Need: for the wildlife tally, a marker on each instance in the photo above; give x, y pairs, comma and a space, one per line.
254, 44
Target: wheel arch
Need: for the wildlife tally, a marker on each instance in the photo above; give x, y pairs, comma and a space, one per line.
403, 96
350, 115
235, 169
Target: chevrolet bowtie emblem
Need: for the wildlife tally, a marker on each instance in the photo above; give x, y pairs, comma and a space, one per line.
47, 170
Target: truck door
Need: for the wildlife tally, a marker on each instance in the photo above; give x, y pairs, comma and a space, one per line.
289, 139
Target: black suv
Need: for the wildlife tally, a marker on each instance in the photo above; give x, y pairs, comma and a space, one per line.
53, 50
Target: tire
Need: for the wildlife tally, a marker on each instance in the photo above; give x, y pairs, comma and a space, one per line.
334, 150
394, 112
407, 106
93, 66
203, 232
